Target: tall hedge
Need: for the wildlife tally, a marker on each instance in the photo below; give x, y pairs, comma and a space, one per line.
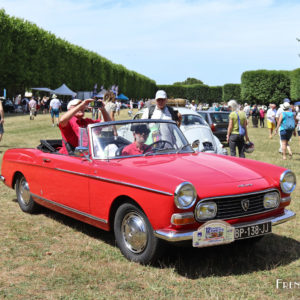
231, 91
295, 85
264, 87
31, 56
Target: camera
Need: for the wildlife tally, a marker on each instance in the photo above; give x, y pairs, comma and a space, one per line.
98, 104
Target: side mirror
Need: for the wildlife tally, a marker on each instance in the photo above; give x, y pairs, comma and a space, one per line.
195, 145
82, 152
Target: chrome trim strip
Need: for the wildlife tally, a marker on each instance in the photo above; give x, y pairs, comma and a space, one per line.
70, 209
115, 181
175, 236
2, 178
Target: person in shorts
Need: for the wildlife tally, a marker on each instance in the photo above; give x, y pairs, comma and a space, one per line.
1, 120
271, 120
285, 133
54, 109
32, 108
298, 123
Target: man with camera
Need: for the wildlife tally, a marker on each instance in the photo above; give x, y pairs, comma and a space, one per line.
71, 122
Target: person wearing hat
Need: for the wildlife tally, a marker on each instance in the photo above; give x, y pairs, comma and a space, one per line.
140, 133
161, 110
286, 126
54, 109
278, 113
73, 120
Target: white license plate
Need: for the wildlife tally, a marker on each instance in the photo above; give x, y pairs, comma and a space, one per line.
252, 231
213, 233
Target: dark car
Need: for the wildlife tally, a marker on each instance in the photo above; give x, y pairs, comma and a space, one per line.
8, 105
218, 122
64, 106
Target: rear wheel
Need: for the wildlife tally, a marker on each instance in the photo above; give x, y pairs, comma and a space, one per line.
134, 235
24, 197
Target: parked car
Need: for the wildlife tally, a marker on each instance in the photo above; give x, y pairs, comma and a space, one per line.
218, 122
194, 127
8, 105
64, 105
167, 192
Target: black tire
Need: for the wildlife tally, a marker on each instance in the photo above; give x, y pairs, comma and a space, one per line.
134, 235
24, 197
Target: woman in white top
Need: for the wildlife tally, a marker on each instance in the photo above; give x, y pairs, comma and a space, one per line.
271, 119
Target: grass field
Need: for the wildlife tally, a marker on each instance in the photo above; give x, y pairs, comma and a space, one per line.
50, 256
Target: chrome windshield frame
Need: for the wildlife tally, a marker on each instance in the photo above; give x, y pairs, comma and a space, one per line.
125, 122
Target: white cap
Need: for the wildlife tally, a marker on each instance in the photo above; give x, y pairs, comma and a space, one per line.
160, 94
54, 96
73, 102
286, 105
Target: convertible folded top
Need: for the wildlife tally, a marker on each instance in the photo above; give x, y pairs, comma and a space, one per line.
50, 146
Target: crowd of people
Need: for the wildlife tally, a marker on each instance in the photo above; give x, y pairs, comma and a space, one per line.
284, 121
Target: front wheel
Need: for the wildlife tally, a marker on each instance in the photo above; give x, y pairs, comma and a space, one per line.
134, 235
24, 197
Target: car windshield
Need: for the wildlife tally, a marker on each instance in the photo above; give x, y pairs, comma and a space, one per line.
123, 139
188, 120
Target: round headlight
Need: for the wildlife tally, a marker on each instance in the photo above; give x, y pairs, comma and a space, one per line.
287, 181
271, 200
205, 210
185, 195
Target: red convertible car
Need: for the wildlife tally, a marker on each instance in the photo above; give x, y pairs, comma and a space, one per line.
142, 180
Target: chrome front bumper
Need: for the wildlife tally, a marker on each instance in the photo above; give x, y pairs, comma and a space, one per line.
175, 236
2, 178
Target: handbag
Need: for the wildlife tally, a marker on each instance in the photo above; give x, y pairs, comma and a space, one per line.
242, 130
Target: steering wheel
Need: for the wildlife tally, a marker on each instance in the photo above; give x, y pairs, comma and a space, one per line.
162, 142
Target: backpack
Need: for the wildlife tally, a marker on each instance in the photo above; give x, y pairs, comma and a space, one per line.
173, 113
289, 121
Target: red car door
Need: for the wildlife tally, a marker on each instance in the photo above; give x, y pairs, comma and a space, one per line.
65, 180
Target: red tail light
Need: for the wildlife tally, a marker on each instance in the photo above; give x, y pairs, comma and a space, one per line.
213, 127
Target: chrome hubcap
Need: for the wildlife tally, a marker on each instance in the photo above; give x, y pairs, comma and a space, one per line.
24, 192
134, 232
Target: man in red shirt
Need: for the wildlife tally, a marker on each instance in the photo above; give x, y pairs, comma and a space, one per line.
140, 134
71, 122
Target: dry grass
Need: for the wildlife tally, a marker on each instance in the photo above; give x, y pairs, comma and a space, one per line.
50, 256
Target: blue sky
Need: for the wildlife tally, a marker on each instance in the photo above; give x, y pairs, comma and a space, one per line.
211, 40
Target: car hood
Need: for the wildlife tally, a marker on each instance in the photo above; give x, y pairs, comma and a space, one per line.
167, 171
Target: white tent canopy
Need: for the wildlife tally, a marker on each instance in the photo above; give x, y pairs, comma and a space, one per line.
64, 90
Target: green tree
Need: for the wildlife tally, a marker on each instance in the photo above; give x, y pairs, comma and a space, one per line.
189, 81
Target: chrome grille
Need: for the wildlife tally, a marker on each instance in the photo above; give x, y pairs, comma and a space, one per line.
231, 207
